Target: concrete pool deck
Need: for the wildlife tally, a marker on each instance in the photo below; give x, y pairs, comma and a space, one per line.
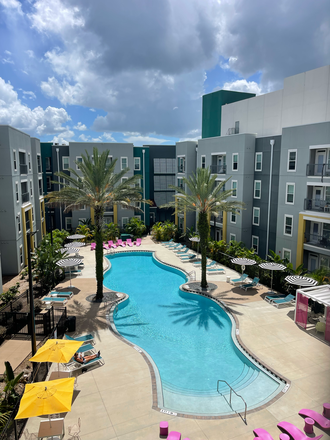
115, 400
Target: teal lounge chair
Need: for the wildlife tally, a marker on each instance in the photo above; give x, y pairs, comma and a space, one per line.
215, 270
250, 285
61, 294
213, 263
167, 242
182, 251
270, 298
289, 299
53, 300
86, 339
239, 280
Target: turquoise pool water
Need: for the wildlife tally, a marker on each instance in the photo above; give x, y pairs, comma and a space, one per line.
187, 336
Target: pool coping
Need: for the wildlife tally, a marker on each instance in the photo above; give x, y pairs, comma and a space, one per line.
151, 366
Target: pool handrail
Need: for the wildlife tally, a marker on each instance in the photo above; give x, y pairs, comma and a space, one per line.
238, 395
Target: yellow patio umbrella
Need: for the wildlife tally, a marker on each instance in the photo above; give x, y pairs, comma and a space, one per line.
44, 398
56, 350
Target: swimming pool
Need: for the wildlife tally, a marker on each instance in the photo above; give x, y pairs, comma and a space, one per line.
188, 338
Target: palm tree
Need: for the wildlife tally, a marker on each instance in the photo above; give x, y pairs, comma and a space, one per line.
97, 186
207, 198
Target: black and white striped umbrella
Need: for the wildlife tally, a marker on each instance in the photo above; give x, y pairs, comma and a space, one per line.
272, 266
74, 244
300, 281
69, 262
69, 250
76, 237
243, 262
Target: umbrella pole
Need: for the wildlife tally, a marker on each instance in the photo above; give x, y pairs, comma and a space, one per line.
271, 283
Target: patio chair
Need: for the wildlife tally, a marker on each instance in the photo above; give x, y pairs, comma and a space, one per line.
240, 279
76, 366
167, 242
86, 339
211, 264
214, 270
318, 418
30, 435
51, 300
112, 245
138, 242
320, 327
129, 242
174, 435
173, 245
289, 299
121, 243
247, 286
74, 430
179, 248
294, 432
262, 434
93, 246
270, 298
187, 257
182, 251
61, 294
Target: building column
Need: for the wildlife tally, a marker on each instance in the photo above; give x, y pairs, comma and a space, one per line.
224, 226
300, 240
115, 214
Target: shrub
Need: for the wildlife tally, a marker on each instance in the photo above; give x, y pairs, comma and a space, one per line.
135, 227
38, 305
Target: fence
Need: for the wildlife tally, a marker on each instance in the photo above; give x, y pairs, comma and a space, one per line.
13, 429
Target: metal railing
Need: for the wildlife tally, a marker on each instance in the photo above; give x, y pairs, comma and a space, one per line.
231, 391
23, 168
322, 241
317, 205
25, 197
218, 169
181, 169
192, 275
317, 169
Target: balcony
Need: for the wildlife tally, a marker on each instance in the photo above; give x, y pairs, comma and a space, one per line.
316, 169
181, 169
322, 241
218, 169
108, 209
317, 205
25, 197
23, 168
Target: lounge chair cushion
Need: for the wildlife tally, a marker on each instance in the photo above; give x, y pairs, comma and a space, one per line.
174, 435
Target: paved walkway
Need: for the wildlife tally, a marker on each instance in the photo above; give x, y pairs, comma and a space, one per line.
115, 400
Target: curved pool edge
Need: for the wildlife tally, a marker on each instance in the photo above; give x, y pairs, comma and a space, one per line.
157, 392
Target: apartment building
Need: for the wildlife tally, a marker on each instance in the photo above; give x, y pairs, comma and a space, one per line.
22, 206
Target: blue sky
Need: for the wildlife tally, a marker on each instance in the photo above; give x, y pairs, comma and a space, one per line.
135, 71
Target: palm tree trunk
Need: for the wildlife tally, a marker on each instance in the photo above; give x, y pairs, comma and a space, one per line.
204, 231
99, 253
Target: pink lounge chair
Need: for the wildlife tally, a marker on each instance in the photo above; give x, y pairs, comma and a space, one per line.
174, 435
121, 243
262, 434
129, 242
93, 246
318, 418
138, 243
105, 246
112, 245
294, 432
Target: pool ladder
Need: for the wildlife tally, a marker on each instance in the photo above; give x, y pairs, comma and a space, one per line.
192, 275
231, 391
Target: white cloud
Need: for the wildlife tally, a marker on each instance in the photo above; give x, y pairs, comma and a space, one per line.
30, 53
242, 85
80, 126
38, 120
30, 95
7, 61
92, 110
12, 4
138, 139
84, 138
64, 137
105, 137
108, 137
7, 52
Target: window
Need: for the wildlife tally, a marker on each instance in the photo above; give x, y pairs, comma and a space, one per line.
65, 162
124, 162
234, 188
292, 160
68, 223
82, 207
235, 161
15, 160
180, 183
123, 179
181, 223
47, 163
19, 225
39, 163
325, 262
233, 217
289, 198
181, 164
17, 192
232, 237
258, 162
287, 254
40, 187
124, 221
137, 164
257, 189
49, 182
32, 212
21, 255
109, 161
288, 224
29, 161
31, 188
256, 216
78, 161
255, 243
203, 161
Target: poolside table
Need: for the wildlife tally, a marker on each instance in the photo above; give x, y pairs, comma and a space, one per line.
53, 428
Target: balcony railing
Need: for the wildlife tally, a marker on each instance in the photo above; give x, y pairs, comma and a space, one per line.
181, 169
25, 197
23, 168
27, 225
317, 205
318, 240
316, 169
108, 208
218, 169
